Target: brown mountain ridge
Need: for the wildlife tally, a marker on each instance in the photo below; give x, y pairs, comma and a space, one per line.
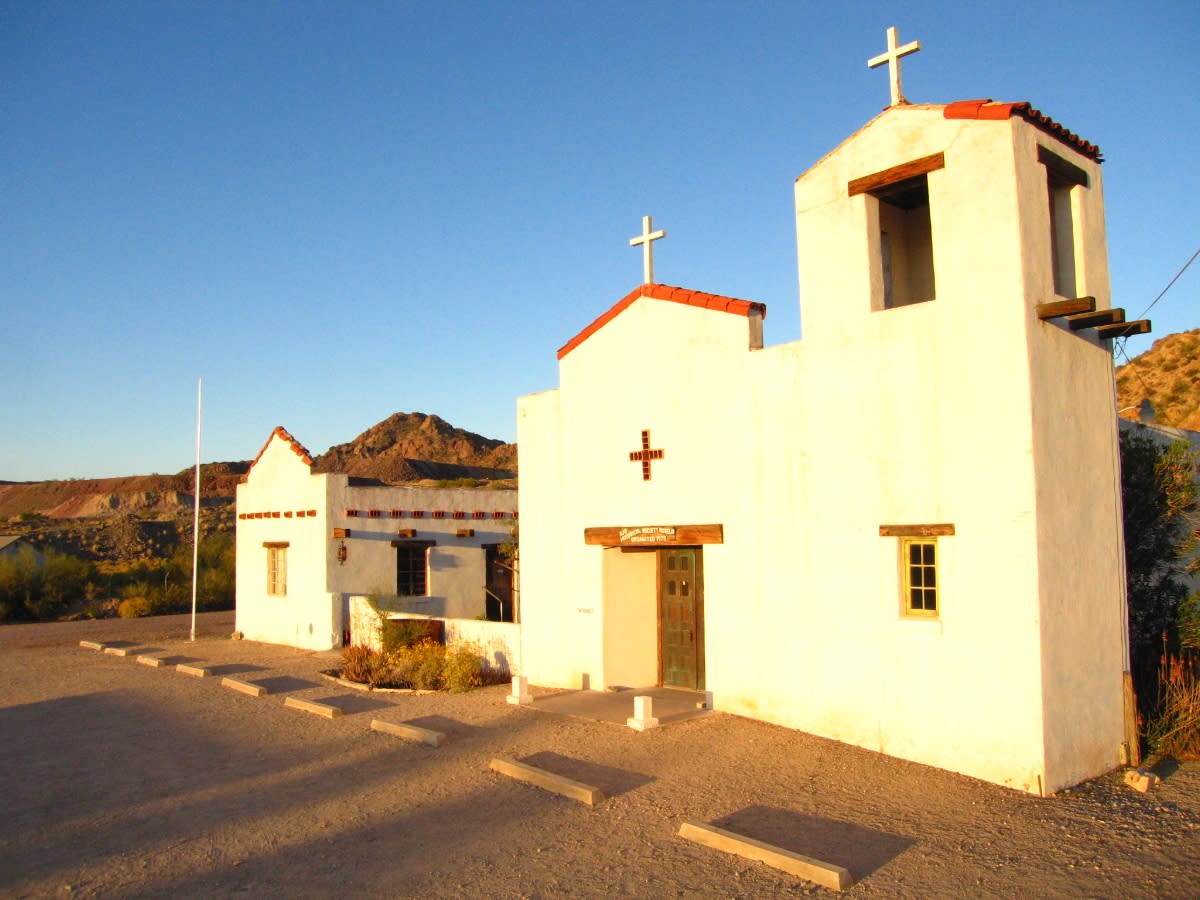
141, 516
1168, 375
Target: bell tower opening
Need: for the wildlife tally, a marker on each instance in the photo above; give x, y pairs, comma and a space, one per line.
905, 243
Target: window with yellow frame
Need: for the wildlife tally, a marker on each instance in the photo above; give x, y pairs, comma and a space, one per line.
918, 560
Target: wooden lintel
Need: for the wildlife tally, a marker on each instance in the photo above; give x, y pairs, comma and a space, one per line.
407, 533
465, 532
1124, 329
341, 532
895, 174
916, 530
654, 535
1067, 171
276, 545
1055, 308
1092, 319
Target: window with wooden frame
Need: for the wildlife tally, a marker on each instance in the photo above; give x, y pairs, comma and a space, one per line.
276, 568
918, 560
1062, 178
412, 563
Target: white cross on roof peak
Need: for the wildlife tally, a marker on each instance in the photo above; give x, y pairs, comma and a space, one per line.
645, 239
892, 57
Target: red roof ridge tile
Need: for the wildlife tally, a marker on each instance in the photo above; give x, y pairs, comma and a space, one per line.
672, 294
296, 446
987, 109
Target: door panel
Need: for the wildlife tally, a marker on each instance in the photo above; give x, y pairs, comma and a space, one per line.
681, 618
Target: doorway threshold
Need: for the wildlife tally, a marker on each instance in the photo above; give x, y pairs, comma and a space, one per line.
671, 704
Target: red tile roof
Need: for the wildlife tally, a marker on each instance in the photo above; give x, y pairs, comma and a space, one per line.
672, 294
986, 109
296, 446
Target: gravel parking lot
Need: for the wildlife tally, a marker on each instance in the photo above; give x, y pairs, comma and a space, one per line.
119, 779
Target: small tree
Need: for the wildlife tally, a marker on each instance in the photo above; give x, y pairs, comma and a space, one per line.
1159, 497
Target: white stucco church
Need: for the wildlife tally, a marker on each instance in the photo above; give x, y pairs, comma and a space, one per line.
902, 531
308, 542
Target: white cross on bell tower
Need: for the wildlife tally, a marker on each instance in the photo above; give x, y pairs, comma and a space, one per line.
892, 58
647, 249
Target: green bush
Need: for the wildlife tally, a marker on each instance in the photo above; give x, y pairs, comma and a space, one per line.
40, 588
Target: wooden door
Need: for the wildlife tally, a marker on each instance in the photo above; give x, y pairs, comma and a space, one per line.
681, 618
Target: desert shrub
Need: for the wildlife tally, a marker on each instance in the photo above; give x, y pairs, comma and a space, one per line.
464, 668
20, 581
427, 660
63, 580
134, 607
215, 571
364, 665
40, 588
396, 634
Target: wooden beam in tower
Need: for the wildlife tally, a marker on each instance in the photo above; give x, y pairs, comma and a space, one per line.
1055, 308
1124, 329
1092, 319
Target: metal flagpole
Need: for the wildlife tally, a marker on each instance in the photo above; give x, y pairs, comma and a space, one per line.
196, 519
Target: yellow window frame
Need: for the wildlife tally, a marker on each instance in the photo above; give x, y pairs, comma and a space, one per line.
918, 567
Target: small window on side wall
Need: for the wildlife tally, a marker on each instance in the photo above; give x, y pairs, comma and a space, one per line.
277, 570
1062, 179
919, 562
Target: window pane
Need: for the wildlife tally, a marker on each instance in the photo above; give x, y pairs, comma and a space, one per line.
927, 554
914, 553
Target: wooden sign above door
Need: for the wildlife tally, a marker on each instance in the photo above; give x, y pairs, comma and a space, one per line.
655, 535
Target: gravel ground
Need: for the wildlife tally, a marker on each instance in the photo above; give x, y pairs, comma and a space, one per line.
117, 779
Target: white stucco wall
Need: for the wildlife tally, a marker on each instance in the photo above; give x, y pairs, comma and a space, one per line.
951, 411
278, 488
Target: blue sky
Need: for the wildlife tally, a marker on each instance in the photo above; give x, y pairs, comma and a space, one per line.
335, 211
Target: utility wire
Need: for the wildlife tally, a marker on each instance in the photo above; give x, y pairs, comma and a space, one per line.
1161, 294
1173, 280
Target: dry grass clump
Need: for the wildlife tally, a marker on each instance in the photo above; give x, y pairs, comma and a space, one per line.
1175, 730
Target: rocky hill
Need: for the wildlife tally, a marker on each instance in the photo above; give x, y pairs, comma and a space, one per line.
413, 446
1168, 374
146, 516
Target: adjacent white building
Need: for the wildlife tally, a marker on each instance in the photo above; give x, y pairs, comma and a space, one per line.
308, 541
903, 531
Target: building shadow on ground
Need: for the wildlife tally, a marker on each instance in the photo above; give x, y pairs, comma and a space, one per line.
352, 704
857, 848
284, 684
612, 781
